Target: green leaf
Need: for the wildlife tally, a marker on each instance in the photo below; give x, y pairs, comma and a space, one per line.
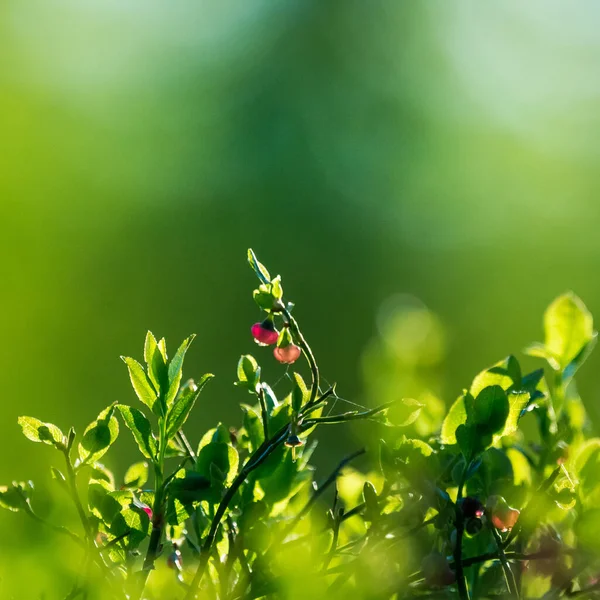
16, 496
575, 364
140, 427
568, 326
99, 436
248, 373
140, 382
182, 407
36, 431
504, 373
253, 427
189, 486
283, 478
491, 409
300, 393
517, 402
457, 415
472, 439
223, 456
176, 369
407, 448
270, 398
538, 350
156, 365
136, 475
259, 269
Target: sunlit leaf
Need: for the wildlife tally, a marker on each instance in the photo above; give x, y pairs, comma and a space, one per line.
99, 436
36, 431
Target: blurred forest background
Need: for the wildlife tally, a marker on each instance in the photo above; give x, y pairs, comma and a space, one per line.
425, 172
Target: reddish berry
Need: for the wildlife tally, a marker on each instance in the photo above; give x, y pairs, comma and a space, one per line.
264, 333
436, 570
287, 355
503, 517
471, 507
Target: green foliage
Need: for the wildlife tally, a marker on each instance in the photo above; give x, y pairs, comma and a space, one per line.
36, 431
450, 509
99, 436
140, 427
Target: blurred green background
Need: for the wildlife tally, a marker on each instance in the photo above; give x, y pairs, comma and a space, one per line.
444, 151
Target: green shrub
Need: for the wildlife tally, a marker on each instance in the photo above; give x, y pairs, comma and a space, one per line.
500, 502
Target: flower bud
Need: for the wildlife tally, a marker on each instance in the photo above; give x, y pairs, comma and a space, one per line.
293, 441
471, 507
264, 333
287, 355
502, 516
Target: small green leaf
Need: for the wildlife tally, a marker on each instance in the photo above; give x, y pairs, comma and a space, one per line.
16, 496
408, 448
137, 475
189, 486
259, 269
538, 350
58, 476
140, 382
575, 364
248, 373
505, 373
457, 415
517, 402
300, 393
99, 436
568, 327
491, 409
276, 288
253, 427
36, 431
182, 407
176, 369
140, 427
220, 455
270, 397
156, 365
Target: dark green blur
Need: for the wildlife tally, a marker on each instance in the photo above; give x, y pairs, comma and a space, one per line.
446, 152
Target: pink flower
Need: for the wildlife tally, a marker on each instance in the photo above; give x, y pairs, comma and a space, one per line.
264, 333
287, 355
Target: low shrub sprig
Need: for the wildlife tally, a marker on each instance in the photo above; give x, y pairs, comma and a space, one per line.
501, 502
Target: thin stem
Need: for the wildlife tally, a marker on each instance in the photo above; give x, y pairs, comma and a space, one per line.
157, 511
182, 438
310, 407
58, 528
463, 590
72, 481
509, 576
347, 416
314, 389
264, 412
